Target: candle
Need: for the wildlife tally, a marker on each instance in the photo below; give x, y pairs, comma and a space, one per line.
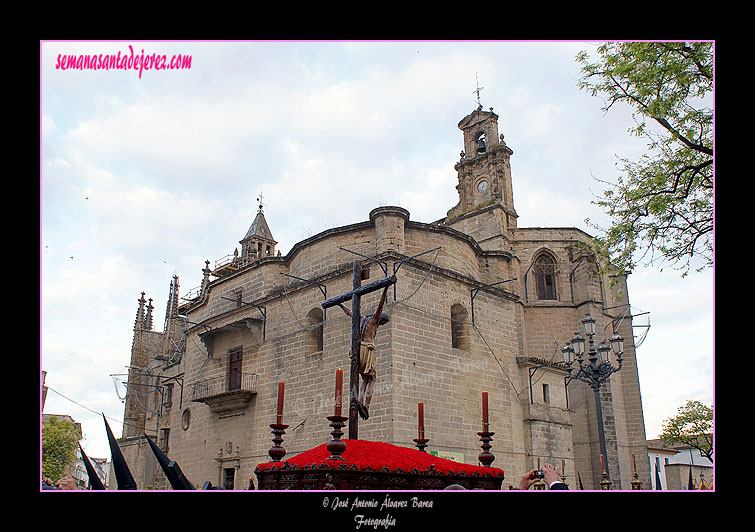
421, 416
485, 411
563, 468
634, 463
339, 390
281, 386
602, 463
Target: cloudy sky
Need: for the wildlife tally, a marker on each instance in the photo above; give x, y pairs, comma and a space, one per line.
145, 177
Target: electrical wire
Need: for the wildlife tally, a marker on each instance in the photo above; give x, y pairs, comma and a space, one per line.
303, 327
271, 336
448, 318
429, 271
402, 301
90, 410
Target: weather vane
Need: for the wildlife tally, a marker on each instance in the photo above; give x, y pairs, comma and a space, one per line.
259, 200
479, 105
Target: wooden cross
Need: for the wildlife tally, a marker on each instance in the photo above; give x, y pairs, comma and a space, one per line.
356, 296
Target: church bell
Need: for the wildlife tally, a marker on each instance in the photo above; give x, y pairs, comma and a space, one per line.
481, 145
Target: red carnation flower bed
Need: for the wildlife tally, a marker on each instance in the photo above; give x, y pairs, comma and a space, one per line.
377, 455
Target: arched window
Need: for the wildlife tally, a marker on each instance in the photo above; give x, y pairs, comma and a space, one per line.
544, 270
459, 328
314, 332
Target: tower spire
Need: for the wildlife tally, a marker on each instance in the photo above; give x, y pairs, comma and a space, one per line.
172, 307
148, 319
139, 322
258, 241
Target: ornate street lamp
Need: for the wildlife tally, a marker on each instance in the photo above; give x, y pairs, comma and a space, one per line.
596, 369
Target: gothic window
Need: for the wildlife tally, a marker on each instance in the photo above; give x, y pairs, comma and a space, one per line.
314, 330
459, 328
545, 276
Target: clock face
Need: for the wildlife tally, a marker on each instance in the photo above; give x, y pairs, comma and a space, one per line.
482, 186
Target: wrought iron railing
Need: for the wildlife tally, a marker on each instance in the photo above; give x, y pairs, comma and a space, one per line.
219, 385
193, 293
223, 261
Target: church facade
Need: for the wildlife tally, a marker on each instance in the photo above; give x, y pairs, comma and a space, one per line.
479, 305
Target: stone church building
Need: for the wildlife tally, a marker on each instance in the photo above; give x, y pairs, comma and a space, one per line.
480, 305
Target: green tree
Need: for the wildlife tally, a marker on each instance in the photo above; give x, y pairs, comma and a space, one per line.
692, 426
661, 207
60, 438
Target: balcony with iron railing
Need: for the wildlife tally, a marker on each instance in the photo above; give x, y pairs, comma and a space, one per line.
225, 395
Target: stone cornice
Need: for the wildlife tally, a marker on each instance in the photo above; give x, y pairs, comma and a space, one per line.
284, 261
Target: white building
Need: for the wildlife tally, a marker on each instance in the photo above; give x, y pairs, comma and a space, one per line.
100, 465
672, 464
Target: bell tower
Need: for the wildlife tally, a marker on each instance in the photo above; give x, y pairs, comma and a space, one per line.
258, 241
484, 179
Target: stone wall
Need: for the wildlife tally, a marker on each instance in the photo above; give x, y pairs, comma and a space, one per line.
416, 357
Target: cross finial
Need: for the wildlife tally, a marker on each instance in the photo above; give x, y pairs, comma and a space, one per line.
479, 105
259, 200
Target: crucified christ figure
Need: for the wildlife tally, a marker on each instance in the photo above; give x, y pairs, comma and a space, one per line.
368, 326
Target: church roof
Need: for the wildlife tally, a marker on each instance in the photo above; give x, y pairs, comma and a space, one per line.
378, 456
259, 228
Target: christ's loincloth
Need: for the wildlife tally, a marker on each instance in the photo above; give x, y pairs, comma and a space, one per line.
367, 359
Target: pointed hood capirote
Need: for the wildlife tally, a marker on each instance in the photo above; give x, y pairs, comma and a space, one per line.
174, 474
94, 479
122, 473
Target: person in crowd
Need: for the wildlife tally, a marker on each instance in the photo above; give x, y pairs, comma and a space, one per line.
67, 483
550, 476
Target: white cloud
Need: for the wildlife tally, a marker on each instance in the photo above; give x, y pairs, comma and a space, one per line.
540, 120
171, 165
48, 124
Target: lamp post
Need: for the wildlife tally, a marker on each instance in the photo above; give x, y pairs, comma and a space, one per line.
596, 369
